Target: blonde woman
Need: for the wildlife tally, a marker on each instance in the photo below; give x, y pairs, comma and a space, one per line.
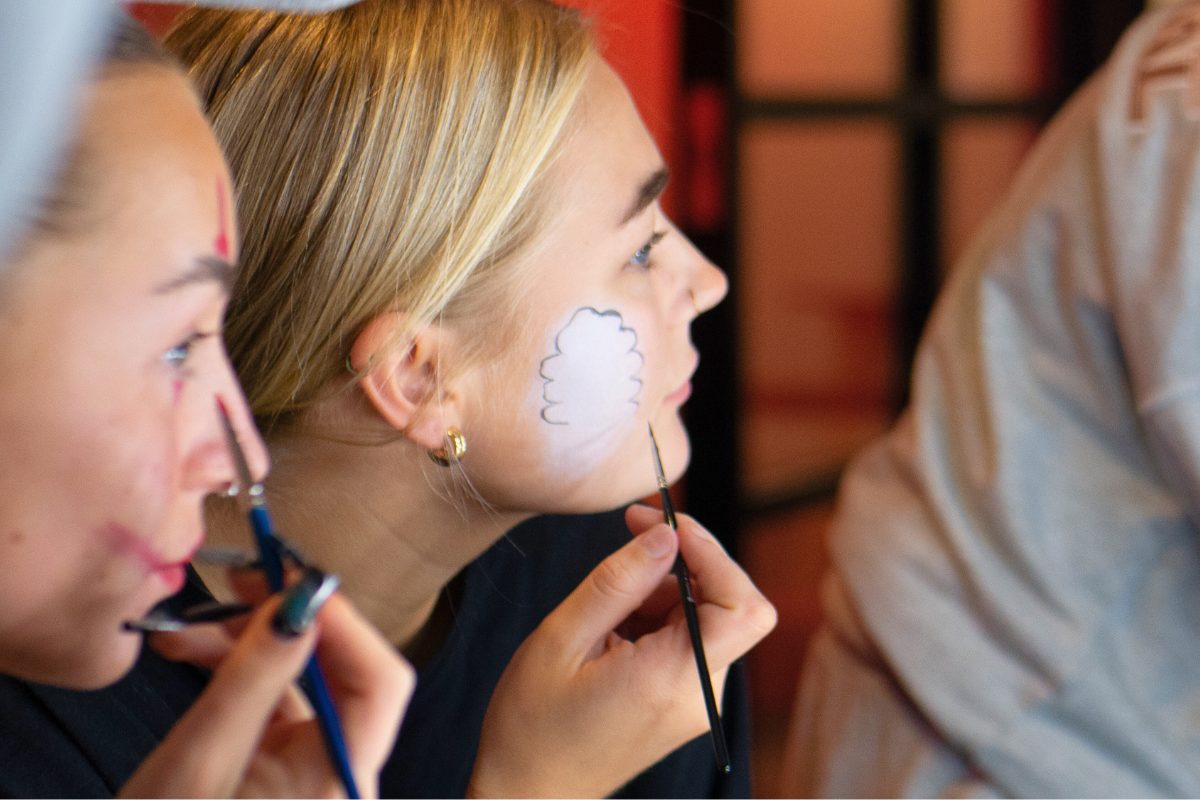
452, 247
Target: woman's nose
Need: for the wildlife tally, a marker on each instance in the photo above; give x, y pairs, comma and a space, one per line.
708, 283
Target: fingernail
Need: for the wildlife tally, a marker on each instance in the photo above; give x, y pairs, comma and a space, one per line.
658, 541
302, 601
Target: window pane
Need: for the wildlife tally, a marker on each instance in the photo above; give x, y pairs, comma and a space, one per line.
980, 157
786, 558
817, 242
819, 47
994, 48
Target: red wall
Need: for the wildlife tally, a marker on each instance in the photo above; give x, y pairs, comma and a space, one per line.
642, 41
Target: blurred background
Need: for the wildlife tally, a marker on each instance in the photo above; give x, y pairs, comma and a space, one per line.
834, 157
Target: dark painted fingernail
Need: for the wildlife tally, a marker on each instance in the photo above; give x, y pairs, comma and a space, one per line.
302, 601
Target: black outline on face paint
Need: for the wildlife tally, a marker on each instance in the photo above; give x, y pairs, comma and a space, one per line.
621, 326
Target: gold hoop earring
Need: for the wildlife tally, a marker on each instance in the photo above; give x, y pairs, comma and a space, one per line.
452, 451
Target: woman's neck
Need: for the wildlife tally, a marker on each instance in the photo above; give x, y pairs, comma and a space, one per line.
395, 526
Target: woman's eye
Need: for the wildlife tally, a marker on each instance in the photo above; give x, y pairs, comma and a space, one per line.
178, 355
642, 257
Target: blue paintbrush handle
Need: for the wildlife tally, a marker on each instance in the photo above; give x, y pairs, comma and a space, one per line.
313, 681
268, 546
315, 688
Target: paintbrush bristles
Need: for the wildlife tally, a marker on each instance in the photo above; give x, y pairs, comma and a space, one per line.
658, 467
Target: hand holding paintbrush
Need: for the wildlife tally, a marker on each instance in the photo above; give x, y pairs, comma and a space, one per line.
607, 684
249, 733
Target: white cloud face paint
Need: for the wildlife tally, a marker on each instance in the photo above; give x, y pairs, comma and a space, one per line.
589, 396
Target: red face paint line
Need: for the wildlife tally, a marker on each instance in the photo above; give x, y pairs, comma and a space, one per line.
176, 391
124, 540
221, 243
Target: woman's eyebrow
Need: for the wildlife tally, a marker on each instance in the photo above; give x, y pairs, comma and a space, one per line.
203, 270
649, 191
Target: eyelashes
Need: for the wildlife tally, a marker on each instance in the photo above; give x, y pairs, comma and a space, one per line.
642, 257
177, 357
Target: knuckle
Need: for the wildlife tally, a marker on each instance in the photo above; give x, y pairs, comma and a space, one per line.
613, 579
402, 681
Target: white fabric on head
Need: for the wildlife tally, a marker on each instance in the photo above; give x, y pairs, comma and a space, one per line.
46, 52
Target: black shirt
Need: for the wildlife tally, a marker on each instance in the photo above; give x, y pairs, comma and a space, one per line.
507, 592
63, 743
55, 742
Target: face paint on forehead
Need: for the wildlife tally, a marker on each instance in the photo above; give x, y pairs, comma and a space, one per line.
589, 396
221, 242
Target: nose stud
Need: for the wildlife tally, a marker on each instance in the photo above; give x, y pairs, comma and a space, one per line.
695, 305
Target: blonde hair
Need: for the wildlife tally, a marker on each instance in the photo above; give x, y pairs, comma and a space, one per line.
387, 157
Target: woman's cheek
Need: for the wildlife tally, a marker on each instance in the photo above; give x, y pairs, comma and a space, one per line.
588, 390
145, 482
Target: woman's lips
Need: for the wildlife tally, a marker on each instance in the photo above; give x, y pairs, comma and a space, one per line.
680, 395
172, 573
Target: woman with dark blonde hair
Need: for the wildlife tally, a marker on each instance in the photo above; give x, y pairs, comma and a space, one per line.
459, 307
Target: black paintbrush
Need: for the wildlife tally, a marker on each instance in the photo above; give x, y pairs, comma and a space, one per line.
693, 622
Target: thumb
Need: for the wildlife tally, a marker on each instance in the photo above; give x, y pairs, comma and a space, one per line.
613, 590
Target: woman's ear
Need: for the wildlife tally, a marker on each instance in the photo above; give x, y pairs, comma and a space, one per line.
403, 383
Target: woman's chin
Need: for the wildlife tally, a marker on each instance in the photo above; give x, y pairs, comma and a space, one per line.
90, 665
625, 475
673, 445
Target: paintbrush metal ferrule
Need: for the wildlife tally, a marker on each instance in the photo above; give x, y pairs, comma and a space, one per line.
252, 494
664, 491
